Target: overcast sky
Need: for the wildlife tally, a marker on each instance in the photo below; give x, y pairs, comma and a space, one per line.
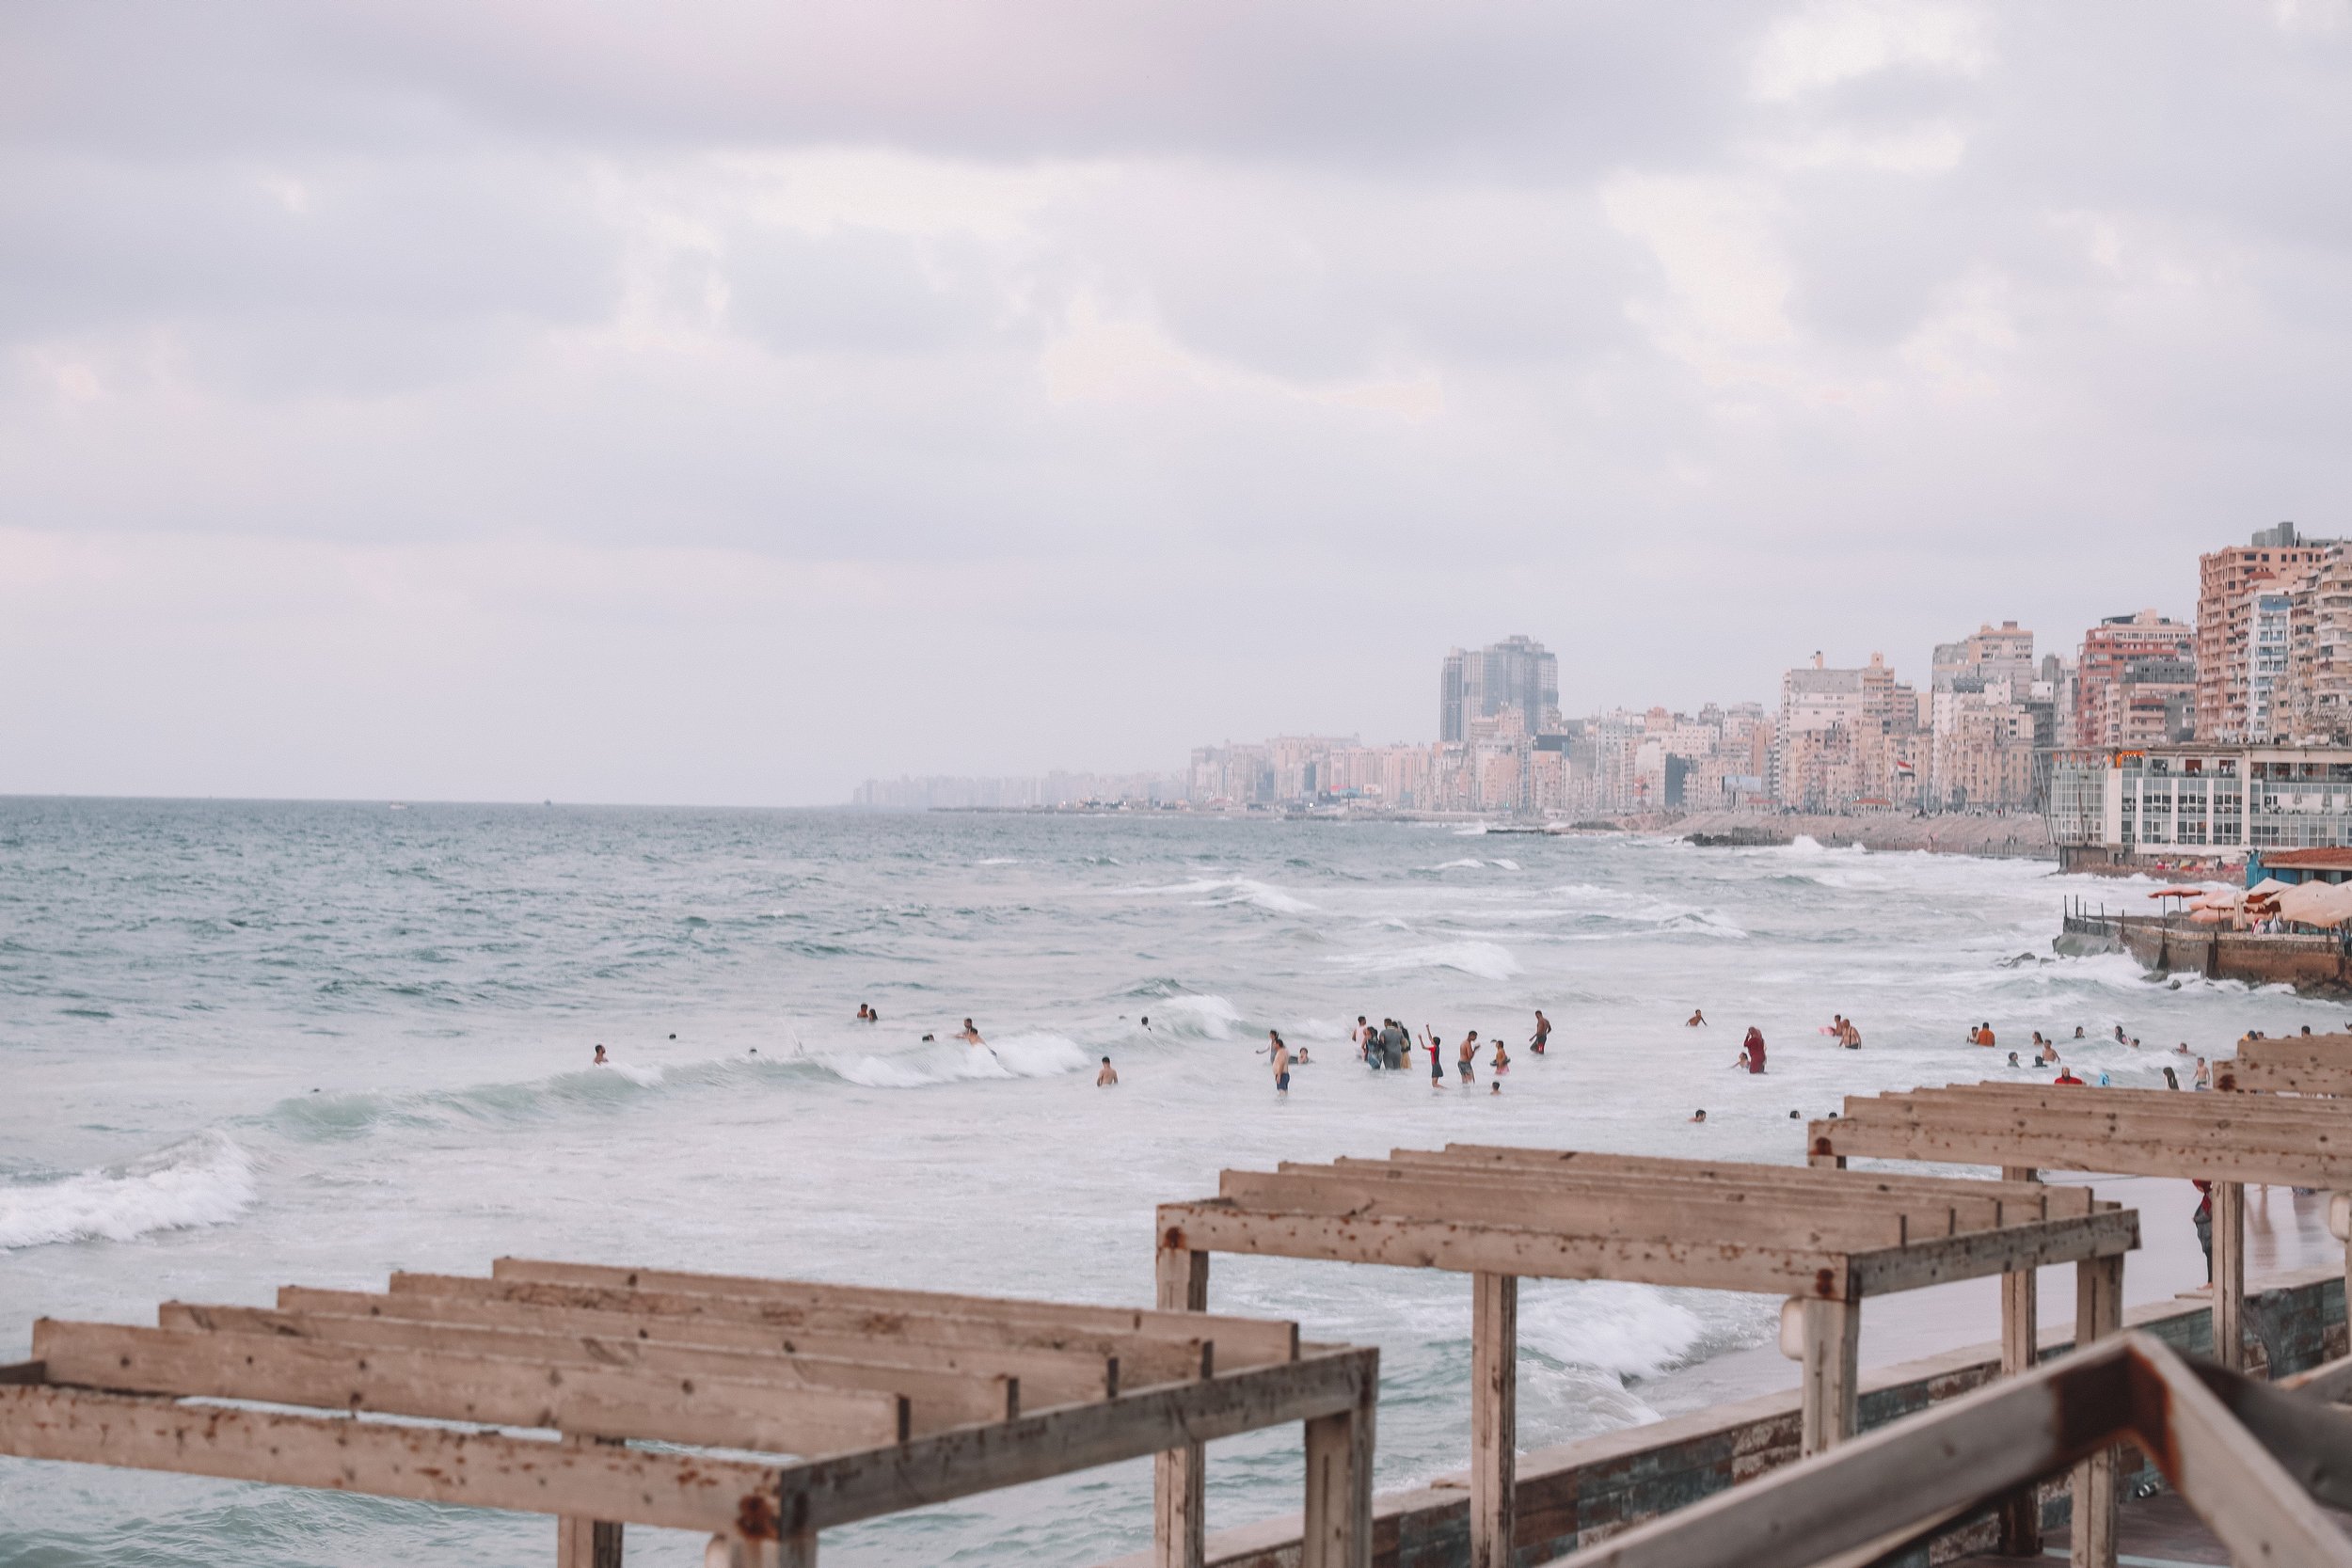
727, 401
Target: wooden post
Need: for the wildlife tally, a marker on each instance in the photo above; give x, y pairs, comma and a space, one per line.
2021, 1510
735, 1549
1833, 1344
1338, 1529
1494, 1416
1179, 1507
2229, 1274
2098, 1313
588, 1543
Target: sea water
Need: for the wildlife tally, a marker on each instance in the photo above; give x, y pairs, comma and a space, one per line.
243, 1045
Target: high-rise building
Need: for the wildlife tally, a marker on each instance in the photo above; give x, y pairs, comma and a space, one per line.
1980, 711
2103, 715
1517, 674
2314, 700
1846, 738
2243, 606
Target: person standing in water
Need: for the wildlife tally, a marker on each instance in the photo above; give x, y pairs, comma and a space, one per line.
1465, 1066
1437, 1067
1281, 1054
1108, 1077
601, 1059
1696, 1021
1543, 1033
970, 1034
1752, 1050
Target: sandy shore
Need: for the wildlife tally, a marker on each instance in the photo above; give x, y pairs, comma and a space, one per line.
2022, 835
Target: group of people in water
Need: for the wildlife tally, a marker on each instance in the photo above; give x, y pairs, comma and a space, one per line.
1389, 1047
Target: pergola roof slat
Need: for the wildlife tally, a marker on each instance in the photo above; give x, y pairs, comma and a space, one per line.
2055, 1201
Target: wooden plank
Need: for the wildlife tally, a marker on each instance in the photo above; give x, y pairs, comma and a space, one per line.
973, 1346
2252, 1121
1718, 1264
2098, 1315
422, 1463
589, 1542
2041, 1202
1472, 1204
1337, 1522
1832, 1374
1768, 1202
1179, 1503
2313, 1078
2229, 1274
1979, 1253
945, 1397
2230, 1476
1241, 1341
2021, 1307
1494, 1419
838, 1490
601, 1402
1851, 1137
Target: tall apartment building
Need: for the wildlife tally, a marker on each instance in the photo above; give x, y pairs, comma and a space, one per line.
1846, 738
1982, 716
1518, 673
2126, 663
2315, 698
2244, 596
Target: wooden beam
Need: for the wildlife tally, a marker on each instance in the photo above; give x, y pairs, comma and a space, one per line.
588, 1543
2026, 1200
2021, 1510
2316, 1078
1831, 1377
1937, 1261
1336, 1531
422, 1463
1067, 1359
1715, 1264
2229, 1274
1241, 1341
2098, 1315
1648, 1197
598, 1401
1529, 1207
1494, 1419
1849, 1137
2250, 1120
843, 1488
1179, 1503
1149, 1356
941, 1396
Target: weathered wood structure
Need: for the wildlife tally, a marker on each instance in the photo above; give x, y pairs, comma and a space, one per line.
2226, 1140
1824, 1239
2254, 1461
890, 1400
2293, 1064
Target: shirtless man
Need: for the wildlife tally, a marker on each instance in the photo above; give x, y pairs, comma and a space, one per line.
970, 1034
1469, 1058
1281, 1069
1696, 1021
1108, 1077
601, 1059
1543, 1033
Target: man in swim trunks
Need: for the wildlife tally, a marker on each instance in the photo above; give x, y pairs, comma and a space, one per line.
970, 1034
1282, 1068
1696, 1021
601, 1059
1468, 1059
1543, 1033
1108, 1077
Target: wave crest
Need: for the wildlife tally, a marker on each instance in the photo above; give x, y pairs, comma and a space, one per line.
203, 1180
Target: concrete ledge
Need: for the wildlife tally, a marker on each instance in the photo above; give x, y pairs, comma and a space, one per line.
1577, 1493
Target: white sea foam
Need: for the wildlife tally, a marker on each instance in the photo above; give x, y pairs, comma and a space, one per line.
1507, 866
999, 860
1033, 1055
1469, 864
1233, 890
643, 1077
1487, 960
204, 1180
1627, 1330
1207, 1017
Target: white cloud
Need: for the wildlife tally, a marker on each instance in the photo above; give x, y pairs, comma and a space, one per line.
1828, 42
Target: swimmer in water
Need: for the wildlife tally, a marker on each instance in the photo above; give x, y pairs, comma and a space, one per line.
1147, 1023
1468, 1058
601, 1059
1698, 1116
1543, 1033
1502, 1063
864, 1013
1108, 1077
1301, 1059
970, 1034
1696, 1021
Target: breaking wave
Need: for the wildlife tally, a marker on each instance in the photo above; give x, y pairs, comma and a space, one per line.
1485, 960
1233, 890
203, 1180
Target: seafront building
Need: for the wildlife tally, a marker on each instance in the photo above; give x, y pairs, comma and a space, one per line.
1983, 720
1517, 675
2199, 800
1847, 740
2136, 682
2245, 608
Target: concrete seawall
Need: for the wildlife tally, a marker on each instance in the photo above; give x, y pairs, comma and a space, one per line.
1579, 1494
2309, 964
2022, 836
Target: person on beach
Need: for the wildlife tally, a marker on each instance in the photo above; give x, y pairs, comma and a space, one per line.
1542, 1035
1282, 1068
2046, 1055
2171, 1079
864, 1012
1983, 1036
1468, 1060
1847, 1035
1300, 1060
602, 1060
1752, 1050
2013, 1059
1147, 1023
1108, 1077
1502, 1064
2037, 1040
1361, 1038
971, 1035
2118, 1034
1699, 1115
2066, 1075
1696, 1021
1396, 1045
1430, 1042
2078, 1031
2204, 1076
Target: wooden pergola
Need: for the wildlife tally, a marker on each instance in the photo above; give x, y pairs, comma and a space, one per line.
1824, 1239
2227, 1140
2255, 1462
2293, 1064
889, 1400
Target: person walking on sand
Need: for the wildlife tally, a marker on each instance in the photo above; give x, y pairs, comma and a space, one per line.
1281, 1069
1108, 1077
1464, 1068
1543, 1033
